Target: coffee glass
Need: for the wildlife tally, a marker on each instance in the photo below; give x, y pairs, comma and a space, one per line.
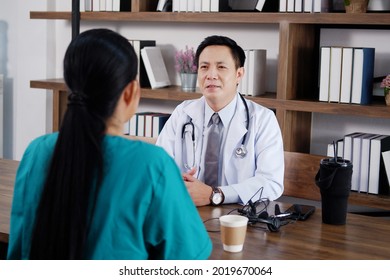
233, 232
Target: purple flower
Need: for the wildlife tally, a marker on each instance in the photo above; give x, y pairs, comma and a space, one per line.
386, 82
185, 61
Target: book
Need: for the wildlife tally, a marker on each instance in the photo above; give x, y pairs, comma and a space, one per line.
346, 75
282, 6
126, 128
356, 161
142, 75
243, 85
82, 6
133, 125
298, 6
155, 67
102, 5
214, 6
198, 6
182, 6
87, 5
257, 66
109, 5
308, 6
290, 6
317, 6
205, 5
347, 152
161, 5
377, 179
191, 6
153, 123
148, 126
95, 5
116, 5
324, 73
322, 6
365, 161
141, 123
386, 162
159, 120
363, 74
339, 146
335, 73
260, 5
378, 6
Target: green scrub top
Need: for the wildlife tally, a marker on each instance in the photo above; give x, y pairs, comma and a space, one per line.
143, 209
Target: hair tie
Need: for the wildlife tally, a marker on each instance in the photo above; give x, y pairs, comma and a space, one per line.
76, 98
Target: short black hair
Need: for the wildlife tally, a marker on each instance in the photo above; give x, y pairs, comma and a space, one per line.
215, 40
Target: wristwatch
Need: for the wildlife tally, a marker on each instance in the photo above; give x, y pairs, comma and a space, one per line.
217, 197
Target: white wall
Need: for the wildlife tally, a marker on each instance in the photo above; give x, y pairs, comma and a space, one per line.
24, 58
35, 49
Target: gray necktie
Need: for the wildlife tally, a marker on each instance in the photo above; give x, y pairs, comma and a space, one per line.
212, 152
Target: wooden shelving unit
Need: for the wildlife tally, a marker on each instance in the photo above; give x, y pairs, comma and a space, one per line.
250, 18
296, 96
297, 92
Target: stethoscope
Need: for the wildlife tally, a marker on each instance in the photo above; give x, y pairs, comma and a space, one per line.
240, 151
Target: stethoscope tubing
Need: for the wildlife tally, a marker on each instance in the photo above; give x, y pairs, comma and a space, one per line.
241, 150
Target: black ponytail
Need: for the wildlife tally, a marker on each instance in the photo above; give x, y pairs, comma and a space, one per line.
98, 65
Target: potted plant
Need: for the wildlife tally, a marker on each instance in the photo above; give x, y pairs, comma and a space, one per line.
356, 6
386, 87
185, 64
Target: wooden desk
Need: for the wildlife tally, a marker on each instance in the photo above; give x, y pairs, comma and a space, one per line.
7, 178
362, 237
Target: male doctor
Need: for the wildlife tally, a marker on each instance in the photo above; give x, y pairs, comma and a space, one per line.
250, 151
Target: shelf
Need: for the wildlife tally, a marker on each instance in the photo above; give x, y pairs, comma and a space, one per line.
369, 111
50, 84
174, 93
250, 18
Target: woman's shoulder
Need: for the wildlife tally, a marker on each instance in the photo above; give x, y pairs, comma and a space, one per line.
42, 144
130, 148
137, 157
45, 139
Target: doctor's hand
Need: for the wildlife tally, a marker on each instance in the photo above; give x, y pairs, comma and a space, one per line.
191, 172
199, 191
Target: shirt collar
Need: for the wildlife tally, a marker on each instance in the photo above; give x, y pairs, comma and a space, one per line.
226, 114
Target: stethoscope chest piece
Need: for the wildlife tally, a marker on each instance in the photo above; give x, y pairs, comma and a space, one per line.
241, 151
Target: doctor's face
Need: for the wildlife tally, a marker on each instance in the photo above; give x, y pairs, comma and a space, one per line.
218, 76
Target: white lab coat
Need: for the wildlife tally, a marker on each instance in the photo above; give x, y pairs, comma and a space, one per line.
263, 166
